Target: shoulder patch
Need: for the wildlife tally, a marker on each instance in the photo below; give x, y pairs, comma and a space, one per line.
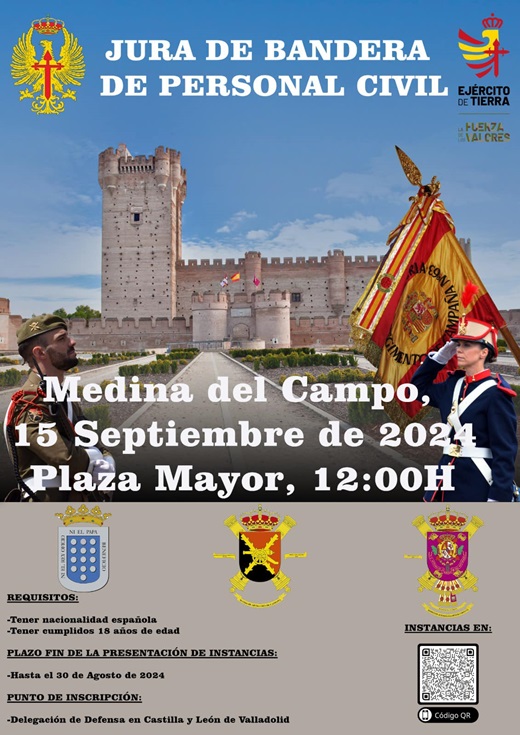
35, 414
26, 406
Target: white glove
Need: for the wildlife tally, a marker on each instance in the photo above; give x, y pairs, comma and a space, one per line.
94, 454
105, 466
445, 354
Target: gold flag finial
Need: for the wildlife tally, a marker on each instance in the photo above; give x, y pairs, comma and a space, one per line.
411, 171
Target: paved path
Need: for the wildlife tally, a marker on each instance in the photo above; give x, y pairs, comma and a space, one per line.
297, 464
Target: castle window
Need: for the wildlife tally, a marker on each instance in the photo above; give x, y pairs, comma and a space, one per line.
296, 298
136, 215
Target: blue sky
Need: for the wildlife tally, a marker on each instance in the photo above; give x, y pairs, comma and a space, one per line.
283, 175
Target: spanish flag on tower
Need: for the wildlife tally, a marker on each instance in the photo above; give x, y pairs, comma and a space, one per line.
412, 305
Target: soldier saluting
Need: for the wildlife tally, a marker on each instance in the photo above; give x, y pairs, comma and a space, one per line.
49, 350
474, 398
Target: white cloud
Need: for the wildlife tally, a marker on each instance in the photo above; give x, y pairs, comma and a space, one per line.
257, 235
316, 236
357, 233
235, 221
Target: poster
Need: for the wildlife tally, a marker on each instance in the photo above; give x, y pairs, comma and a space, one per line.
286, 115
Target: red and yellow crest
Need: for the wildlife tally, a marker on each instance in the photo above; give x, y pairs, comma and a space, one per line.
48, 79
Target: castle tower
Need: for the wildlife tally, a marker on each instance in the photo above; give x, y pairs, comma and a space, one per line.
465, 244
142, 231
9, 323
210, 316
273, 317
5, 342
336, 270
253, 272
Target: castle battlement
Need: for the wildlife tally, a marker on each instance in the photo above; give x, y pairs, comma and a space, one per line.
217, 264
209, 300
274, 295
123, 155
114, 334
163, 165
362, 260
230, 263
100, 325
318, 322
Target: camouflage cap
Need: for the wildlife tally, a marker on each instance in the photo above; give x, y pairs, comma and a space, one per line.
37, 325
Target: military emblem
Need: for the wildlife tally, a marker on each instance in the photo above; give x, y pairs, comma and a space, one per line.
35, 414
447, 549
260, 537
49, 80
483, 56
419, 313
83, 549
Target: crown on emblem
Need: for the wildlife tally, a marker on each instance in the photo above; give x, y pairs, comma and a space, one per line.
447, 521
258, 521
492, 22
83, 515
47, 26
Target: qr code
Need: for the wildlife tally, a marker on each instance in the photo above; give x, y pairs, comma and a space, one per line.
448, 674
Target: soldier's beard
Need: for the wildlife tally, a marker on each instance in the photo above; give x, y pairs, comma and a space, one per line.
62, 362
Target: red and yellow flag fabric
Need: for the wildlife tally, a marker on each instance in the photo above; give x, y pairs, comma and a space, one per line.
412, 304
235, 277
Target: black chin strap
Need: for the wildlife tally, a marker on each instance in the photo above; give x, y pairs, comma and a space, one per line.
43, 385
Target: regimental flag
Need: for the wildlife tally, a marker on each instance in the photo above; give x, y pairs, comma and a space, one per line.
256, 281
224, 282
235, 277
412, 304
